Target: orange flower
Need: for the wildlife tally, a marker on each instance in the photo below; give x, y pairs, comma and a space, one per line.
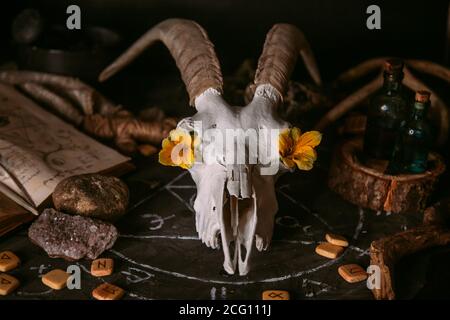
178, 149
297, 149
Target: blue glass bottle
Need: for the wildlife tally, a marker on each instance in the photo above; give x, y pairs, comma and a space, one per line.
414, 139
386, 112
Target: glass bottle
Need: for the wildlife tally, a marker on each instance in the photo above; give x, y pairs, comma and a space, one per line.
386, 112
414, 139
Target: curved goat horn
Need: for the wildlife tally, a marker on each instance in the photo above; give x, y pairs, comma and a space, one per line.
284, 42
190, 47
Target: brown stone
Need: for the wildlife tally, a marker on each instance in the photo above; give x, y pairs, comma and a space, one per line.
92, 195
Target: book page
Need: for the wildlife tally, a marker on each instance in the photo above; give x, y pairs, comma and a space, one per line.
40, 149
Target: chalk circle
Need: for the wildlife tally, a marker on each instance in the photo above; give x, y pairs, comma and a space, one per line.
287, 222
295, 274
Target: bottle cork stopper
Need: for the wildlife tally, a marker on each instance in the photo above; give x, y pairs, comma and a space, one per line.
423, 96
393, 65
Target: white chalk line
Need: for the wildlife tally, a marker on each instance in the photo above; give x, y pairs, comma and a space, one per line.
145, 199
192, 200
40, 293
183, 187
173, 237
168, 187
195, 238
176, 195
85, 269
177, 237
134, 277
152, 215
361, 252
171, 182
139, 297
305, 242
181, 275
324, 287
301, 205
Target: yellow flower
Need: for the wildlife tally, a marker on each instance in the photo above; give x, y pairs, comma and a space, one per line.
178, 149
297, 149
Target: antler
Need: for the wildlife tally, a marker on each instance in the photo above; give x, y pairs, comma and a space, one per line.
284, 42
190, 47
370, 65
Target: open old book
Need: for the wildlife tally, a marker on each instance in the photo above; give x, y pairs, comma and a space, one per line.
37, 150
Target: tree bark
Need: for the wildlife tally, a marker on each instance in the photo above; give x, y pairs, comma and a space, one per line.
371, 188
386, 252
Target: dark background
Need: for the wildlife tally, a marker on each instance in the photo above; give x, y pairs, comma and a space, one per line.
336, 29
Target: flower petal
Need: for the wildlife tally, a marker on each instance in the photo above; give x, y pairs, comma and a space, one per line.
285, 142
289, 163
304, 164
296, 134
304, 151
305, 159
180, 136
165, 158
310, 138
177, 149
166, 143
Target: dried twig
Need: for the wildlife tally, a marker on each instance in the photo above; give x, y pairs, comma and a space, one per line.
60, 105
349, 103
439, 109
386, 252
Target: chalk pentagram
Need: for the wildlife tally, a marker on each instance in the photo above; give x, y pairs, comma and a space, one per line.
175, 186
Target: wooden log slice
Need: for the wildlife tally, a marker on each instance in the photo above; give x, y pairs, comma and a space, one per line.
371, 188
386, 252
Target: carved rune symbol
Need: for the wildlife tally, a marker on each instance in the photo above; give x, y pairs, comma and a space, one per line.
109, 290
356, 270
4, 281
5, 257
274, 295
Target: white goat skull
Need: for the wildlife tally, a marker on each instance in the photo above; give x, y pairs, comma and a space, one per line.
233, 200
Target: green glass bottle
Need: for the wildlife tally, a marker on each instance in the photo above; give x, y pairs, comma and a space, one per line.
413, 140
386, 112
